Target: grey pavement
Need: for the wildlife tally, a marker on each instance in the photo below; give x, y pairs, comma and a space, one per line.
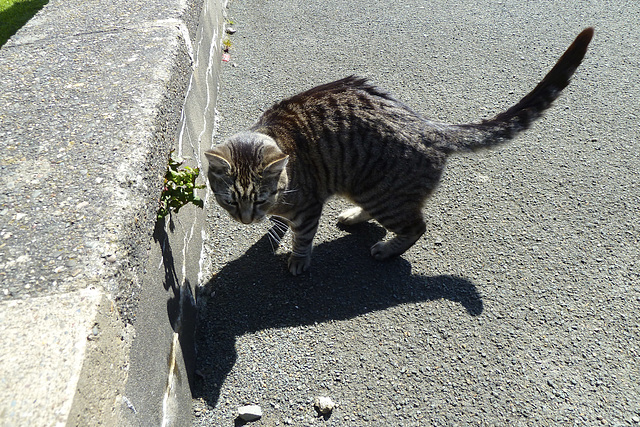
519, 306
96, 303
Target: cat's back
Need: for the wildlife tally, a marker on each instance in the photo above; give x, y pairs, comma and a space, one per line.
339, 133
351, 91
347, 107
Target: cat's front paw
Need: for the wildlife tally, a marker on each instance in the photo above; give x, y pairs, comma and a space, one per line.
298, 265
381, 251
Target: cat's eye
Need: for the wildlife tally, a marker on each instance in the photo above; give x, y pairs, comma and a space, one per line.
231, 202
259, 202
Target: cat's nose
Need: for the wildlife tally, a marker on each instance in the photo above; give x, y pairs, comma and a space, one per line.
246, 217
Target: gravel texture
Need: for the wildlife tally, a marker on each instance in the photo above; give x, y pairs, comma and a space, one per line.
519, 306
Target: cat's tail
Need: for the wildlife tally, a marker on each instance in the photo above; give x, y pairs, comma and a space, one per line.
506, 125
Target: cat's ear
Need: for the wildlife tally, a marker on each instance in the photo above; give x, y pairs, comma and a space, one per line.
274, 160
276, 167
218, 163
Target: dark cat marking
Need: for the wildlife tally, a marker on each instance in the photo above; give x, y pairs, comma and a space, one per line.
351, 139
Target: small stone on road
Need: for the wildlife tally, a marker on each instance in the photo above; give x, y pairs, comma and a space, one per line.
323, 404
250, 412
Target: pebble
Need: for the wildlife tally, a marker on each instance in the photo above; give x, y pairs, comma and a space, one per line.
230, 30
250, 412
82, 205
94, 333
324, 404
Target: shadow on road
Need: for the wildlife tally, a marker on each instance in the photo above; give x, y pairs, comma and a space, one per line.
256, 292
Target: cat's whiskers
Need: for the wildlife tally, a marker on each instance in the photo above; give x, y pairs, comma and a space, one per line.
280, 226
279, 222
276, 232
273, 238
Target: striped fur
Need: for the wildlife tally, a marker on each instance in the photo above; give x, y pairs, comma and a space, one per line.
352, 139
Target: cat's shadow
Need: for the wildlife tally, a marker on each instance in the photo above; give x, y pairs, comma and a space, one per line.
256, 292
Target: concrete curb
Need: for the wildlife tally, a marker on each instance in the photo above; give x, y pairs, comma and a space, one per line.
96, 298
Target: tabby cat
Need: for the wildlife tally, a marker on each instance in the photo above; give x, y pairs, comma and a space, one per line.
352, 139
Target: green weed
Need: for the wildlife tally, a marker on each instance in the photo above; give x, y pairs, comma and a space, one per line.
179, 187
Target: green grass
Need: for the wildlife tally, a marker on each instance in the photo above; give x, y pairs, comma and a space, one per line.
14, 14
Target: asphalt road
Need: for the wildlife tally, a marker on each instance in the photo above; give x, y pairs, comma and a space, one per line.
519, 306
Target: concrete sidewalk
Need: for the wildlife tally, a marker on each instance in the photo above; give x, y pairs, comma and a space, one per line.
96, 298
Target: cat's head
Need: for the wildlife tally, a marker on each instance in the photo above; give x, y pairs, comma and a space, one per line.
246, 174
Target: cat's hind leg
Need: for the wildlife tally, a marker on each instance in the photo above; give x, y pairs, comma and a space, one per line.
399, 244
353, 216
406, 223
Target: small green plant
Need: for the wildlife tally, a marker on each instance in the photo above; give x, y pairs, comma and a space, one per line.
179, 187
226, 44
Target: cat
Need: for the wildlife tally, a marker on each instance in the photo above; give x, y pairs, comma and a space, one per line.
350, 138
